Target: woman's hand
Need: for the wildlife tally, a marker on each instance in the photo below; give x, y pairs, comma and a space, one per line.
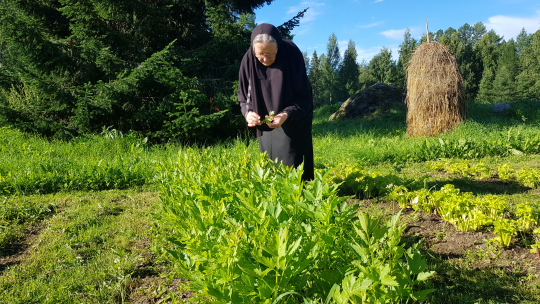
278, 120
253, 119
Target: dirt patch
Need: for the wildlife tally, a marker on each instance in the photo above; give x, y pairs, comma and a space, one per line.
13, 253
471, 249
150, 282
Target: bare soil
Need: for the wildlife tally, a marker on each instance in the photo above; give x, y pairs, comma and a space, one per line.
470, 249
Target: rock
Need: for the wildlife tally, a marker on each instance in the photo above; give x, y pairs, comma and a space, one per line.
500, 107
367, 102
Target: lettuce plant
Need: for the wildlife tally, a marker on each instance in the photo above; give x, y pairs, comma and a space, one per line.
504, 229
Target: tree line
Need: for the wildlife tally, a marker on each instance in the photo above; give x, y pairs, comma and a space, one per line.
168, 69
493, 69
161, 68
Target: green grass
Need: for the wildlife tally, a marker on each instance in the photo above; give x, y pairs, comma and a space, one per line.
90, 252
382, 139
80, 211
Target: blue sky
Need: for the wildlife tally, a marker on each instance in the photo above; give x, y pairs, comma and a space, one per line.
377, 23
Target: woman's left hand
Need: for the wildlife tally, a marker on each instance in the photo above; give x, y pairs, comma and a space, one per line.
278, 120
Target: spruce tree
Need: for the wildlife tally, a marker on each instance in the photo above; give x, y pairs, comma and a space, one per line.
488, 48
365, 79
307, 61
315, 78
528, 81
76, 66
330, 65
523, 40
348, 73
382, 68
332, 53
507, 70
406, 48
328, 81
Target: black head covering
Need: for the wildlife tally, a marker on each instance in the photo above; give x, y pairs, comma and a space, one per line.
282, 86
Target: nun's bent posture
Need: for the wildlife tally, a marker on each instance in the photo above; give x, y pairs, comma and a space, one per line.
273, 77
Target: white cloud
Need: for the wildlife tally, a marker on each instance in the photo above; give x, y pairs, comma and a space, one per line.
510, 27
370, 25
378, 1
368, 54
393, 34
343, 47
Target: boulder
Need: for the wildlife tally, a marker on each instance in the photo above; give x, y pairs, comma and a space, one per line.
500, 107
367, 102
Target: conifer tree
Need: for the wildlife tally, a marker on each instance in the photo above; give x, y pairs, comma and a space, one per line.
365, 79
523, 40
382, 68
315, 78
307, 61
330, 65
488, 48
76, 66
406, 48
332, 53
528, 81
328, 81
507, 70
348, 73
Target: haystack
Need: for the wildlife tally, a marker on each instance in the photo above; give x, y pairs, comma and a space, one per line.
434, 91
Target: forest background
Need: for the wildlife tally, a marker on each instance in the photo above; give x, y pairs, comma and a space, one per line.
168, 69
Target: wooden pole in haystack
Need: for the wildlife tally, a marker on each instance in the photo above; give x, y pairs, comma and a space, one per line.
434, 91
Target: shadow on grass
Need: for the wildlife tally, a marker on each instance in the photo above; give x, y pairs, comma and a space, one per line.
458, 283
387, 123
455, 284
525, 112
480, 187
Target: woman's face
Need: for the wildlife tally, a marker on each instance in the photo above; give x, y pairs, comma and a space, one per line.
266, 52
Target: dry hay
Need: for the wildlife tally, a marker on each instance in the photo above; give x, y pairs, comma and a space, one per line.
434, 98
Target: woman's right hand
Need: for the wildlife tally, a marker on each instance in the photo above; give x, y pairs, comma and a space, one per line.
253, 119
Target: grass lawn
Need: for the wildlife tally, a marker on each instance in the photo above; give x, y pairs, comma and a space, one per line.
76, 218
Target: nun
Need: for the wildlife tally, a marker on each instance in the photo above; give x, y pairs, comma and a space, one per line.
272, 78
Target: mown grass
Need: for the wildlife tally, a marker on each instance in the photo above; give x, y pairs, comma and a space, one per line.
100, 245
91, 252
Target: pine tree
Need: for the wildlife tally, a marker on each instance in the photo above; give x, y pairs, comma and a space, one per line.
382, 68
488, 48
348, 74
365, 79
332, 53
507, 70
330, 65
406, 49
523, 40
328, 81
315, 78
307, 61
528, 81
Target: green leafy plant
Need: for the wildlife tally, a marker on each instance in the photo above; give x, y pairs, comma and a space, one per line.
505, 229
528, 214
380, 276
269, 118
248, 230
528, 177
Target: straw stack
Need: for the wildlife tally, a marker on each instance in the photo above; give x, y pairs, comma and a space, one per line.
434, 91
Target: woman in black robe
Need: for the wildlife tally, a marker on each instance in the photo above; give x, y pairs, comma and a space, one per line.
273, 78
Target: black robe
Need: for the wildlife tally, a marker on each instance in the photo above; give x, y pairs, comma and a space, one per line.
280, 87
